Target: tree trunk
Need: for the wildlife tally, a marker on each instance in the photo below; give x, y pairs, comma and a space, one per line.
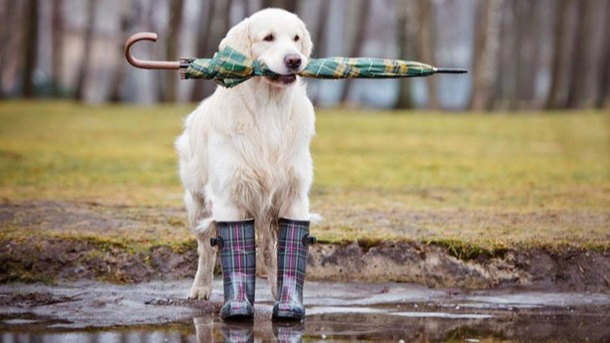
203, 43
560, 35
58, 46
291, 6
404, 89
126, 21
227, 22
426, 41
220, 26
578, 56
530, 21
5, 39
320, 37
169, 90
485, 67
357, 42
86, 53
270, 3
247, 7
30, 48
603, 84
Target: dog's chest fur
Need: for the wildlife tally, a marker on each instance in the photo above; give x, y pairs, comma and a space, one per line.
268, 142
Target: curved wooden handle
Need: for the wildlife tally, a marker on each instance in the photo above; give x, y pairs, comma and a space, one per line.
144, 64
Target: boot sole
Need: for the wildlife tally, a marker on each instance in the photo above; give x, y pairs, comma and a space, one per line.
238, 318
287, 316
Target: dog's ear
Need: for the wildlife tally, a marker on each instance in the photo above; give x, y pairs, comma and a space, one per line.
306, 43
239, 38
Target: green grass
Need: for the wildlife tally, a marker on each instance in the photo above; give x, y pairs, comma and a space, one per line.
476, 179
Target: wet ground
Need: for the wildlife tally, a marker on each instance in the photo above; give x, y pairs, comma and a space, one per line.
336, 312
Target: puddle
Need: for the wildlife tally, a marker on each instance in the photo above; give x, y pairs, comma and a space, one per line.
337, 312
381, 325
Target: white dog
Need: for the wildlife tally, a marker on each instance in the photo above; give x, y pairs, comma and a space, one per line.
244, 152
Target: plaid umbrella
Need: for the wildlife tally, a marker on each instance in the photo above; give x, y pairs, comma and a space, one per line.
230, 67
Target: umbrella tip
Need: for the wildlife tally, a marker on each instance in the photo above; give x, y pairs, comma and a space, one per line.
450, 71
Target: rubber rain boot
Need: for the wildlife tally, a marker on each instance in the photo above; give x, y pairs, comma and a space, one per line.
293, 246
236, 243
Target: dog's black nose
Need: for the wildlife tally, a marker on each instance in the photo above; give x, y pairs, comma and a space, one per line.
292, 61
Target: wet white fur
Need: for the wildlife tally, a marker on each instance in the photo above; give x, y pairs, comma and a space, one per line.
244, 152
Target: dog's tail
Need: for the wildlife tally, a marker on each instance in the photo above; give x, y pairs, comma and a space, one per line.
203, 226
315, 218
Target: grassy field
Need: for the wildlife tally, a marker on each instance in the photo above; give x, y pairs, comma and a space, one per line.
485, 180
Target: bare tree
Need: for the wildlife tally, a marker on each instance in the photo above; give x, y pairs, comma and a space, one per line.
320, 37
291, 6
127, 11
227, 15
426, 38
530, 20
217, 27
247, 7
58, 45
204, 34
288, 5
560, 34
87, 47
169, 90
358, 40
404, 89
485, 67
9, 13
578, 55
30, 48
603, 84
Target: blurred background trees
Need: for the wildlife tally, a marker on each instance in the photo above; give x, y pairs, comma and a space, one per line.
521, 54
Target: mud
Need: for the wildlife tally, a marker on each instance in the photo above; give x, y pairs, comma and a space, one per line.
337, 312
435, 266
52, 241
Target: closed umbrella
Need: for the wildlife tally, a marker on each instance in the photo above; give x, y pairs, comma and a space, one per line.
229, 67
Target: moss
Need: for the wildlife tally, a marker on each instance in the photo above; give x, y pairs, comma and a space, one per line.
468, 251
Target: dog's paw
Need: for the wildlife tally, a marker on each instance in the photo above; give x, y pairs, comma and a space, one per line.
200, 292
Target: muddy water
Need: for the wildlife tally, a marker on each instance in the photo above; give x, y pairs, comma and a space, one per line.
407, 326
158, 312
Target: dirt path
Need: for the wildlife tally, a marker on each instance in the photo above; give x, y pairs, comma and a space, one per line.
51, 241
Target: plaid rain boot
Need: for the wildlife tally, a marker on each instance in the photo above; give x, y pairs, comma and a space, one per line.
238, 259
293, 244
288, 332
236, 332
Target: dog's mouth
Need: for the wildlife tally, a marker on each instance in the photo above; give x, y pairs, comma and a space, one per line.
283, 79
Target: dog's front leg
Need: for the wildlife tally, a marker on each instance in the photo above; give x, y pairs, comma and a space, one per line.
202, 285
203, 228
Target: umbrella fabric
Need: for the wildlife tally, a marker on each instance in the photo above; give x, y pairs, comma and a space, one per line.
229, 68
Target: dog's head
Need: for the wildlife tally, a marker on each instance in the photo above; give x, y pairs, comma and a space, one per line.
276, 37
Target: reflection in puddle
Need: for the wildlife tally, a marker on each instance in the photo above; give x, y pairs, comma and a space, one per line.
383, 326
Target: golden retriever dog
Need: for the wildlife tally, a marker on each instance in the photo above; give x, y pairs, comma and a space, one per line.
244, 153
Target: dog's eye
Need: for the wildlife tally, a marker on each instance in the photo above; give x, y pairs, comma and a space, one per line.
296, 38
269, 38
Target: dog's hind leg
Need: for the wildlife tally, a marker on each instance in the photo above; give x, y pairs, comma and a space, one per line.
202, 226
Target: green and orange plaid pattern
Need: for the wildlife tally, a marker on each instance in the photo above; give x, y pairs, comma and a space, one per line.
229, 68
